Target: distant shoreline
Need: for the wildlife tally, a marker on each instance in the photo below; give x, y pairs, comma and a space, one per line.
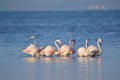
57, 10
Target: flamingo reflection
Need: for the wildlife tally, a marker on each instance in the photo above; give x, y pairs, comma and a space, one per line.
30, 59
91, 66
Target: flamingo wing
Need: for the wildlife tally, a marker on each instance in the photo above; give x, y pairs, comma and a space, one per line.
65, 50
92, 48
48, 51
82, 52
93, 51
31, 49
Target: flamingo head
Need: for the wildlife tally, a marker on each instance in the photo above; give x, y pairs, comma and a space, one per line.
41, 48
73, 41
100, 41
33, 39
59, 41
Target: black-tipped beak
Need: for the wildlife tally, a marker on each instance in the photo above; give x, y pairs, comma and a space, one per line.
73, 41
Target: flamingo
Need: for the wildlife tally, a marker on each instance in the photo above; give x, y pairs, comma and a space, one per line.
83, 51
68, 49
95, 51
49, 50
32, 49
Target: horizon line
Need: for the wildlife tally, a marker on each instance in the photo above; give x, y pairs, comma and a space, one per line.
60, 10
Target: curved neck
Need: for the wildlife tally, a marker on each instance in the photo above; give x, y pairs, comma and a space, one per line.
58, 49
71, 44
99, 47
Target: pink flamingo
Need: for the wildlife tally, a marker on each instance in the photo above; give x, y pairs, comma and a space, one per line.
68, 49
49, 50
95, 51
32, 49
83, 51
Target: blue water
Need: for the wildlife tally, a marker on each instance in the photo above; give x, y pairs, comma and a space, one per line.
17, 27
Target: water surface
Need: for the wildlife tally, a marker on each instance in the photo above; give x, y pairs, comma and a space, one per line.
17, 27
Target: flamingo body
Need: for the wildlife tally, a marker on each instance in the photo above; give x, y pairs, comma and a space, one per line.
48, 51
82, 52
65, 50
68, 49
31, 49
95, 51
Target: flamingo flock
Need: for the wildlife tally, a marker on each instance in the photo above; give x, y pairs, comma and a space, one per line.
63, 49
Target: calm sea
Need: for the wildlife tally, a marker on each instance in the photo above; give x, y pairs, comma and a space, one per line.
17, 27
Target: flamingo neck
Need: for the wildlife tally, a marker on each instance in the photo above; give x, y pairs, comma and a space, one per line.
87, 49
58, 49
72, 46
35, 42
99, 47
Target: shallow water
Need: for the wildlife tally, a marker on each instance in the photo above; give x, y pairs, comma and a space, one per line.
17, 27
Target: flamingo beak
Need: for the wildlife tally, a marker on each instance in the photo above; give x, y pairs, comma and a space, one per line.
73, 41
60, 44
100, 42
